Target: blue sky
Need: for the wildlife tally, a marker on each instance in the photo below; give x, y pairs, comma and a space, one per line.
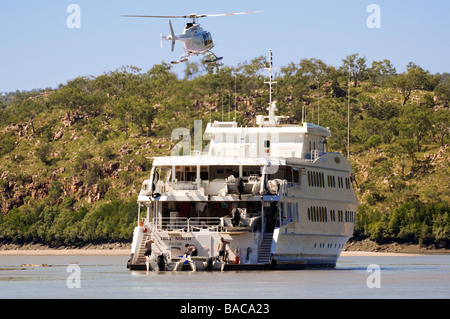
38, 50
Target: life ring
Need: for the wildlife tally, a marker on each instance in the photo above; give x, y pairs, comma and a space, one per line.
141, 223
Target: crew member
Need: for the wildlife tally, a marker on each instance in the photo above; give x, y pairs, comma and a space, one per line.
148, 248
191, 250
222, 248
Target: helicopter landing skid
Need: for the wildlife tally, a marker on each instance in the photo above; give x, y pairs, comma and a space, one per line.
182, 58
213, 58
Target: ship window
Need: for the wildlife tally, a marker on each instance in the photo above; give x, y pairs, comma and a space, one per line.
340, 182
340, 219
296, 175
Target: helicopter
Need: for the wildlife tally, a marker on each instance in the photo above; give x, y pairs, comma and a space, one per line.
195, 39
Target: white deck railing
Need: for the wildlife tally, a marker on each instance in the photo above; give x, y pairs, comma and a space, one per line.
212, 224
187, 224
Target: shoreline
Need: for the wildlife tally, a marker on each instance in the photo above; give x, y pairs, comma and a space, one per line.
116, 249
353, 248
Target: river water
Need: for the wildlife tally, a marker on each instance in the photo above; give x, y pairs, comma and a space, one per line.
99, 277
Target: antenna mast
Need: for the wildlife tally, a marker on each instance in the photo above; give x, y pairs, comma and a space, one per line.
348, 115
272, 105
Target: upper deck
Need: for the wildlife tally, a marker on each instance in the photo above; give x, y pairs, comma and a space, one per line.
266, 141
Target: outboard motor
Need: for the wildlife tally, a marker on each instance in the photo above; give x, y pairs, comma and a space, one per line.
209, 263
129, 261
161, 263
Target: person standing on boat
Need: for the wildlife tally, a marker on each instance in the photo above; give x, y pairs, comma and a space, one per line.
148, 248
236, 217
222, 248
191, 250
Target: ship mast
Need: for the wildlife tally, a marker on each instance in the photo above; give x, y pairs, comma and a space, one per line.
272, 104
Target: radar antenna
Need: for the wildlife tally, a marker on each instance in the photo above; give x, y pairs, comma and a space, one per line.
272, 104
270, 120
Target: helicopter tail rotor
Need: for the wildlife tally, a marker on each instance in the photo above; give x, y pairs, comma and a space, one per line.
173, 35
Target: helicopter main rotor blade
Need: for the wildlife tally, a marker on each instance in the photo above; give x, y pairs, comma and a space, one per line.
142, 16
190, 16
226, 14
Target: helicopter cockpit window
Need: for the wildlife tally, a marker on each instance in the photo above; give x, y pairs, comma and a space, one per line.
207, 39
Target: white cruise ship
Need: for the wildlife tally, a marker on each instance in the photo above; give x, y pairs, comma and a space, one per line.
272, 193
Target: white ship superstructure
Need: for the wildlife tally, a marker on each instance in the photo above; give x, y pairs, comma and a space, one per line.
271, 192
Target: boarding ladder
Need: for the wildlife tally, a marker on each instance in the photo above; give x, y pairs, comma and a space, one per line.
265, 248
140, 257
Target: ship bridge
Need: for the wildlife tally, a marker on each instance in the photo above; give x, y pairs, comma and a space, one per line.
301, 141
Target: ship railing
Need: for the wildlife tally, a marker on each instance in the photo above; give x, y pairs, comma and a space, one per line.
186, 224
314, 155
284, 221
209, 223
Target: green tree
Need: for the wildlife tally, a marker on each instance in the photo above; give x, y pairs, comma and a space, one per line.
381, 71
68, 96
441, 123
415, 78
443, 89
317, 71
43, 153
416, 124
355, 67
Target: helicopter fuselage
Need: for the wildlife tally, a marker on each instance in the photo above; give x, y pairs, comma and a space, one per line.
195, 40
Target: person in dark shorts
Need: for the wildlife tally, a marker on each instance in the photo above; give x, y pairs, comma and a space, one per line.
148, 248
222, 248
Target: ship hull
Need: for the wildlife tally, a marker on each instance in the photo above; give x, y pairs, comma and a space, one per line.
288, 251
300, 251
